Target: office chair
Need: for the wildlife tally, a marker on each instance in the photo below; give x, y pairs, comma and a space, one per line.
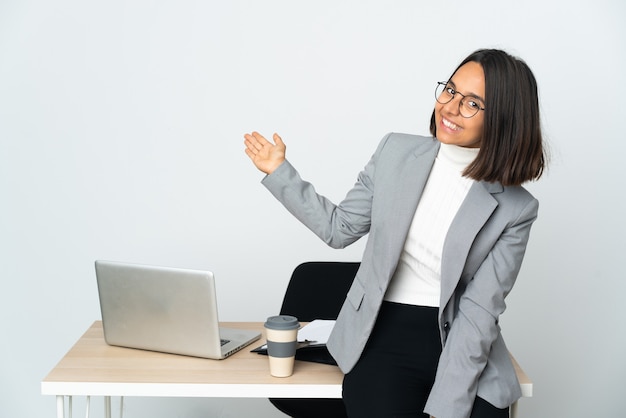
316, 290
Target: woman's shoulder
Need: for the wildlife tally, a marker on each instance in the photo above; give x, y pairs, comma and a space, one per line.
519, 193
406, 142
412, 139
516, 199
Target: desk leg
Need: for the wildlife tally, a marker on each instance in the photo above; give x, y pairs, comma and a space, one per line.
60, 406
513, 410
107, 407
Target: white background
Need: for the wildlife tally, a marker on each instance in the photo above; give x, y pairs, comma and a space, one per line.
121, 127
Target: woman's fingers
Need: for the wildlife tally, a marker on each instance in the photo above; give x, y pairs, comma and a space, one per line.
263, 153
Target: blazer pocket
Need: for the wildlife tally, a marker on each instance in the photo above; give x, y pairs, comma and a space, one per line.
355, 295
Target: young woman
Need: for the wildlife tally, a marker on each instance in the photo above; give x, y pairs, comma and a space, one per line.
448, 223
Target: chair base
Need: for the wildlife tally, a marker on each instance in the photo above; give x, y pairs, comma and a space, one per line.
310, 408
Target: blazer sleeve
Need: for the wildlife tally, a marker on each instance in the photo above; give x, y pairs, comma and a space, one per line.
337, 225
475, 326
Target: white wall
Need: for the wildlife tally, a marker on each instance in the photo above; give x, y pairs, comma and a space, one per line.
121, 128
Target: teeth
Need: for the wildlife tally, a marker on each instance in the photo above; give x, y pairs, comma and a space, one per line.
449, 124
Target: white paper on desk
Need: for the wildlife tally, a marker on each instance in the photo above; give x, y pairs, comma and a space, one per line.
317, 331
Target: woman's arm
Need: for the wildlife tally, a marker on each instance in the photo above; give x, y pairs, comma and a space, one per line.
337, 225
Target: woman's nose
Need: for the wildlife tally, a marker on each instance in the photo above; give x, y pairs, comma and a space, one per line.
453, 107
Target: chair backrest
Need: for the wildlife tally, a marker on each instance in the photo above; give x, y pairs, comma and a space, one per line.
317, 289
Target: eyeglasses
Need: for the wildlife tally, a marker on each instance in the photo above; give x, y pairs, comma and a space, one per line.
468, 106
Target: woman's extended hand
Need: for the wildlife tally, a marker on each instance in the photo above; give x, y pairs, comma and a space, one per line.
265, 155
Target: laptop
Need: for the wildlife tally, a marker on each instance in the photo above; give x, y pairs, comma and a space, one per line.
164, 309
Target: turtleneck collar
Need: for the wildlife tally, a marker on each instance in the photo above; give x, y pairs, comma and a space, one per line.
456, 157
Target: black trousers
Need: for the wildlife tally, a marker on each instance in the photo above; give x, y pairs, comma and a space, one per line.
396, 371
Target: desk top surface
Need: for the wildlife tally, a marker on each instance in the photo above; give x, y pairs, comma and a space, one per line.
92, 367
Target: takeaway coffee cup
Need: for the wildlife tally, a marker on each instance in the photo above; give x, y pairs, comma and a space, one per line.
281, 332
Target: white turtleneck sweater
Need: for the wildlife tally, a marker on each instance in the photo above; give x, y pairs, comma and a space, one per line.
417, 280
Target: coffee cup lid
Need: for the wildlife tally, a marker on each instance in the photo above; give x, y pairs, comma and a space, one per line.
285, 322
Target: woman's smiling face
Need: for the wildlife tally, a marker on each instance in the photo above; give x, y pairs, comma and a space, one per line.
452, 127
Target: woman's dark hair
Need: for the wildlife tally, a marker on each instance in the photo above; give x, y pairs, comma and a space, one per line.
511, 149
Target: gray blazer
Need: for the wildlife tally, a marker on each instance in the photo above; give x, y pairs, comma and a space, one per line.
481, 258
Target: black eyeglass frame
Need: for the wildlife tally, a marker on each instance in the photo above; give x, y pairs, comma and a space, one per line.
444, 84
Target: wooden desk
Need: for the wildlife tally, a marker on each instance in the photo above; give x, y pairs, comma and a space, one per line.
94, 368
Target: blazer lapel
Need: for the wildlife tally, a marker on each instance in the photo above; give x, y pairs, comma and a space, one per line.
474, 212
401, 200
412, 181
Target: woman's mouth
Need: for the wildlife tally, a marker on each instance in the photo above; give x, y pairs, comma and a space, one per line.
450, 125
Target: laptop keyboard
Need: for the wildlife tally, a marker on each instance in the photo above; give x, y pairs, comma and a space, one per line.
224, 342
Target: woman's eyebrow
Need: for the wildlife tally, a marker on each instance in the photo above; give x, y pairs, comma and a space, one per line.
476, 96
